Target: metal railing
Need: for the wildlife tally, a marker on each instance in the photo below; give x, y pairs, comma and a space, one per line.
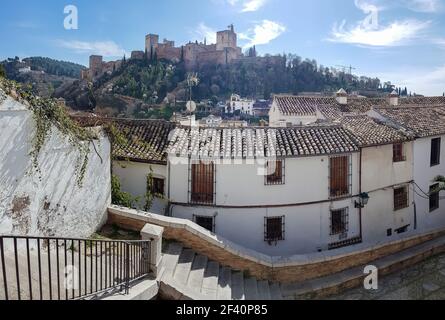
47, 268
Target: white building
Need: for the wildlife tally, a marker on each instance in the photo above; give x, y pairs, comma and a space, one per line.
427, 124
236, 103
362, 175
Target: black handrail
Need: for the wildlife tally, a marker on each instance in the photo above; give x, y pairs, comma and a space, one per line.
93, 267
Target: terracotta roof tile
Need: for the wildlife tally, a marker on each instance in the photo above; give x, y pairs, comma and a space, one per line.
262, 142
369, 131
423, 122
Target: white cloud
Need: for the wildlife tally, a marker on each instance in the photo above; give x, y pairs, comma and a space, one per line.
369, 32
430, 82
252, 5
203, 31
103, 48
397, 33
423, 5
247, 5
262, 33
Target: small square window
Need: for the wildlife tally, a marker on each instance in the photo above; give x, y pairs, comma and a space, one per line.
206, 222
158, 186
339, 221
274, 229
274, 172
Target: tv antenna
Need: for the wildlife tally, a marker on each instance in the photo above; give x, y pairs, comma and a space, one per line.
344, 68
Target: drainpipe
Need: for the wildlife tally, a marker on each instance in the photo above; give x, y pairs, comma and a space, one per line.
360, 191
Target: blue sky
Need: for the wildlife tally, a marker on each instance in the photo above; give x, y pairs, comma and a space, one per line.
398, 40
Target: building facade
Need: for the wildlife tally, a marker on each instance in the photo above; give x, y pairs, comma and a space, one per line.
238, 104
364, 173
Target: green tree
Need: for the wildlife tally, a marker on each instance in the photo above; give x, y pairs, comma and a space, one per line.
2, 72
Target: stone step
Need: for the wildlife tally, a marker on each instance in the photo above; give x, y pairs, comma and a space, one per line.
184, 266
224, 284
210, 281
196, 276
275, 291
251, 289
264, 290
353, 277
238, 286
170, 259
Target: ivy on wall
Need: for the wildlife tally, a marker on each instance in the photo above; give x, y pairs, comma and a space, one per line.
49, 113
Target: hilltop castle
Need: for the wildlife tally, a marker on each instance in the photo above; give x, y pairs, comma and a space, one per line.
194, 54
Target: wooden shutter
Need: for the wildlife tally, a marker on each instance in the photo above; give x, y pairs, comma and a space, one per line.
339, 184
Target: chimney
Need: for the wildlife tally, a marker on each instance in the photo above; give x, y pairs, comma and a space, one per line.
342, 97
394, 99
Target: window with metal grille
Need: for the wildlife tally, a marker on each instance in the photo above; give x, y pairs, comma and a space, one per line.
340, 171
205, 222
398, 154
435, 151
274, 229
434, 197
339, 221
401, 198
274, 172
202, 183
158, 186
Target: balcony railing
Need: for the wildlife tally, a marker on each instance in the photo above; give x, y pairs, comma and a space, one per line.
45, 268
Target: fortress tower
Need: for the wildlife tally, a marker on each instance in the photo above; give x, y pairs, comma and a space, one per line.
96, 63
151, 43
226, 39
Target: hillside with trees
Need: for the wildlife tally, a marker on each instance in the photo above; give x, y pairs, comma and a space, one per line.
153, 81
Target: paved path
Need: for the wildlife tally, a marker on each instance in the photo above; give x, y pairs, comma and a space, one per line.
424, 281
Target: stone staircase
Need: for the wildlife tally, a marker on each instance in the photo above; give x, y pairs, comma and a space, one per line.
186, 275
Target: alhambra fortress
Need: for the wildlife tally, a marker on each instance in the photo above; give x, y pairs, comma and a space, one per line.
194, 54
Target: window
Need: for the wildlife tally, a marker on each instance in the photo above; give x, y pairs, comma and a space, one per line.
206, 222
400, 198
435, 152
274, 172
202, 183
339, 176
434, 198
339, 221
398, 155
274, 229
158, 186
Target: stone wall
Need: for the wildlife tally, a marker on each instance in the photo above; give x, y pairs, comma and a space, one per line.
282, 269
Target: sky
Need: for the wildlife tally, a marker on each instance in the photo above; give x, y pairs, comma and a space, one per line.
402, 41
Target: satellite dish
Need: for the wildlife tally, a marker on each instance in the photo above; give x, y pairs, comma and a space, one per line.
191, 106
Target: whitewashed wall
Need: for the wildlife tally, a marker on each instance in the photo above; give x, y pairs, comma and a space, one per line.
307, 227
276, 119
378, 172
53, 205
133, 178
424, 175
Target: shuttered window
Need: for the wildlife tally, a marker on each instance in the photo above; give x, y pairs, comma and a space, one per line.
203, 183
434, 197
274, 172
398, 155
400, 198
435, 152
339, 176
